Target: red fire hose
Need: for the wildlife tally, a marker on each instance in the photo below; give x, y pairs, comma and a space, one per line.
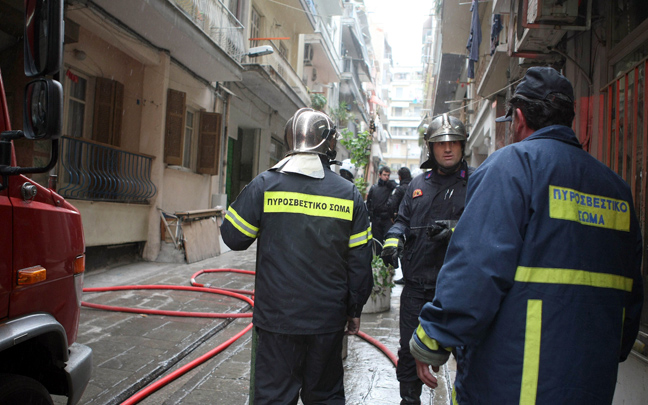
197, 287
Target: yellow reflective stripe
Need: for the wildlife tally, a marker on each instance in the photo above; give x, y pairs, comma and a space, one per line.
531, 365
360, 238
428, 341
454, 396
391, 242
575, 277
589, 209
307, 204
242, 225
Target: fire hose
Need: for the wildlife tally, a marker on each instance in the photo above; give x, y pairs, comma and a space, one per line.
206, 288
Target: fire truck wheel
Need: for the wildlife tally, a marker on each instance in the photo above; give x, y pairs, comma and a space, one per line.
18, 389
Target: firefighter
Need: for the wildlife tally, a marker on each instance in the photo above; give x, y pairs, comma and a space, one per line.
348, 170
541, 290
432, 205
313, 272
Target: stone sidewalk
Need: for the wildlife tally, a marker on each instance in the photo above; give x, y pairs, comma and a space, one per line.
131, 350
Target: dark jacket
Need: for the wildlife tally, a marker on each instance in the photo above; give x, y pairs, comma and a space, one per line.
377, 199
430, 197
313, 256
541, 291
397, 196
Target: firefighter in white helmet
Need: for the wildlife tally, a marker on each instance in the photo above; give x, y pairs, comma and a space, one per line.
348, 170
313, 272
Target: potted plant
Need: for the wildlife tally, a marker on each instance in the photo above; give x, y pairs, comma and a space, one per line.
383, 276
342, 114
318, 101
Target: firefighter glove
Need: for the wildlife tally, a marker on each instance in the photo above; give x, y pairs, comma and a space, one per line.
439, 232
392, 250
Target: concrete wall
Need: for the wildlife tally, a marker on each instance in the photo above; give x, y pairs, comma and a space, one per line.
107, 223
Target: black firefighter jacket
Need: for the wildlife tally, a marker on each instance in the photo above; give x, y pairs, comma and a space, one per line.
313, 256
430, 197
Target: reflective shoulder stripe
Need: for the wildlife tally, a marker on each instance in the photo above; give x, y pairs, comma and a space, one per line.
242, 225
454, 395
360, 238
589, 209
307, 204
531, 364
391, 242
573, 277
428, 341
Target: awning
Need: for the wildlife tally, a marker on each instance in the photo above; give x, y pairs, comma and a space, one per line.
374, 99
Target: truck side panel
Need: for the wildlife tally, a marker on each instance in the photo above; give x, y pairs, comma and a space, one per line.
48, 233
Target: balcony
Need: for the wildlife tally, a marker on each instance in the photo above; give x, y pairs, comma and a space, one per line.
200, 34
275, 81
89, 170
214, 19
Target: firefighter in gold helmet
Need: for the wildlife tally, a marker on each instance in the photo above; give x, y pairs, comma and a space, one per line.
313, 272
431, 206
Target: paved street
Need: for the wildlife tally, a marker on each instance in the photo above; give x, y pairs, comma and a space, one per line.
131, 350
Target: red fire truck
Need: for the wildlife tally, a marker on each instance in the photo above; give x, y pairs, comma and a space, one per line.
41, 238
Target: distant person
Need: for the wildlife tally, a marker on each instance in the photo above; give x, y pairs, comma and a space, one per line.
348, 170
404, 179
379, 211
434, 202
541, 290
313, 272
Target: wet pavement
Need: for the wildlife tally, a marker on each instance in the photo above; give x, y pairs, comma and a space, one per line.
131, 350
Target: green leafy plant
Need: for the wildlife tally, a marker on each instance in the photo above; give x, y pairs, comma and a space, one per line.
342, 113
383, 276
318, 101
359, 148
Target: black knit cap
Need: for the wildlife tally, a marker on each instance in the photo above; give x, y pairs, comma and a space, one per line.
538, 83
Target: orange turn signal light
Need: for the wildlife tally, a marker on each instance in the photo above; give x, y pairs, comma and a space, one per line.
79, 264
32, 275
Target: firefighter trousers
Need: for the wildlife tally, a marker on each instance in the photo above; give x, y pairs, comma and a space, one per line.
287, 366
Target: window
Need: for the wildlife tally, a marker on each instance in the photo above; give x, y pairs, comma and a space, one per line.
188, 138
108, 111
277, 151
399, 92
255, 27
398, 111
180, 134
76, 86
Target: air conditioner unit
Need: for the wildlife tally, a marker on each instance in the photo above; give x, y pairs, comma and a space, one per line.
552, 11
308, 54
549, 17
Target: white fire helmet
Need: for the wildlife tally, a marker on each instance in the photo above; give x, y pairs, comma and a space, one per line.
349, 167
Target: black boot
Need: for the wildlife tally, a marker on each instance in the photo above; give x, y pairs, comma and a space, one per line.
410, 392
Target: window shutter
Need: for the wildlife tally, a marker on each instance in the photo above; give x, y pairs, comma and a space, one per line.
118, 113
108, 111
103, 105
209, 143
175, 123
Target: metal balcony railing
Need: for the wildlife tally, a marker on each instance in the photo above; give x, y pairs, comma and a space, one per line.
91, 171
214, 19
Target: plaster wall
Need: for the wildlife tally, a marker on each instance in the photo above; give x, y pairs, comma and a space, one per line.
104, 60
106, 223
186, 191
